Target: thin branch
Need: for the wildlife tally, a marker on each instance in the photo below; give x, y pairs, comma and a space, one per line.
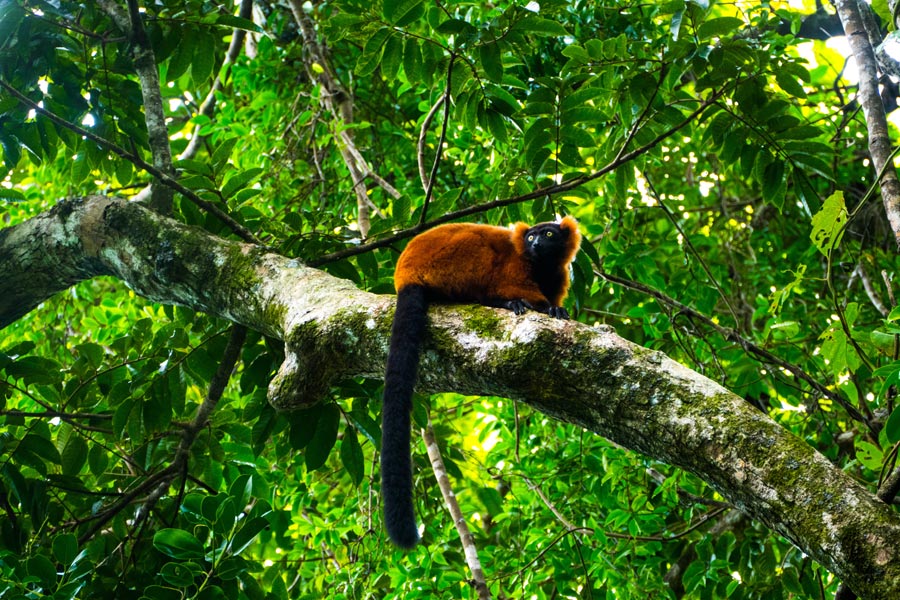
429, 189
154, 115
873, 109
863, 275
559, 516
189, 433
157, 483
238, 229
558, 188
465, 536
637, 122
420, 146
208, 105
747, 345
339, 101
690, 245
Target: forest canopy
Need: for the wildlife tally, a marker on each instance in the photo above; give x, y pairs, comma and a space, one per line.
177, 174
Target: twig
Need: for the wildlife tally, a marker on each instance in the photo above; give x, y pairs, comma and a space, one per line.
465, 536
640, 119
559, 516
693, 250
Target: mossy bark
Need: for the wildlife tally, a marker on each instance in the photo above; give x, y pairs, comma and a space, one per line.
589, 376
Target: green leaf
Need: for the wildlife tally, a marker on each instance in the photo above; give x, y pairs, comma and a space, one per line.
883, 10
774, 183
577, 137
177, 574
869, 455
263, 428
719, 26
324, 437
74, 455
497, 126
838, 350
539, 26
828, 223
537, 159
239, 181
456, 27
226, 516
158, 592
372, 52
222, 154
491, 500
184, 53
65, 548
39, 566
41, 446
675, 24
98, 459
236, 22
491, 61
789, 83
352, 455
247, 533
212, 592
412, 60
814, 164
35, 370
204, 59
231, 568
393, 55
892, 426
584, 115
178, 543
367, 426
303, 426
11, 194
402, 12
577, 53
582, 97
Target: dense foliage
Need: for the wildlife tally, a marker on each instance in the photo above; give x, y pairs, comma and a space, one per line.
716, 164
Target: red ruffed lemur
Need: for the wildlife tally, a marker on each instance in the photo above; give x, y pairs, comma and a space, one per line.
521, 268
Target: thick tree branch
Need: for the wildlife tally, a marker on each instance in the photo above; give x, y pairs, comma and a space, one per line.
636, 397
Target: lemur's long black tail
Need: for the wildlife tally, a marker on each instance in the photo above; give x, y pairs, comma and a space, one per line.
407, 334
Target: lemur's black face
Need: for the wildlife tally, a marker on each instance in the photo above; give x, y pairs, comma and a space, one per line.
546, 241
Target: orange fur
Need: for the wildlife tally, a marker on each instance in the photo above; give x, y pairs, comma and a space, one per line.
464, 262
517, 269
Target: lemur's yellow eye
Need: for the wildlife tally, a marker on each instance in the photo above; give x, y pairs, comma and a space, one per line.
548, 233
531, 238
